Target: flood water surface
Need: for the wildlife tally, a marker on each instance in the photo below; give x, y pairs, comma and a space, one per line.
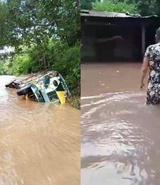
39, 143
119, 133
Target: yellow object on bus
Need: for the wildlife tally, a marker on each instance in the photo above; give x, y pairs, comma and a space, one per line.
61, 96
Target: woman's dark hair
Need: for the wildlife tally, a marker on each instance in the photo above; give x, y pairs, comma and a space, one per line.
157, 36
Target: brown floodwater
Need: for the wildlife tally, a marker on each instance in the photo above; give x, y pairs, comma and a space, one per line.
39, 142
120, 135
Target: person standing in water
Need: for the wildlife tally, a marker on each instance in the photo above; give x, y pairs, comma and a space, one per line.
151, 61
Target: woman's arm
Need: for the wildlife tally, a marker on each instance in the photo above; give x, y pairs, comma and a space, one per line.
144, 70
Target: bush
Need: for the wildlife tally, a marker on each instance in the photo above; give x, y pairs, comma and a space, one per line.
1, 67
21, 64
58, 56
68, 64
120, 7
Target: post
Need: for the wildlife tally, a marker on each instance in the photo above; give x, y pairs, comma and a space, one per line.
143, 39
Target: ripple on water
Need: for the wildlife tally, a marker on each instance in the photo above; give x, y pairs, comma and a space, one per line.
119, 140
39, 142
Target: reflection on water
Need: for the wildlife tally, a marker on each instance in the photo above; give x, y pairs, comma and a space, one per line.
120, 140
39, 143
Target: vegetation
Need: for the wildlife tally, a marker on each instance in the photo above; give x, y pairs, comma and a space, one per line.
45, 34
114, 6
87, 4
142, 7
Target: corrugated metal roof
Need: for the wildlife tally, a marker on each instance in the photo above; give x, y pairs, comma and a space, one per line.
92, 13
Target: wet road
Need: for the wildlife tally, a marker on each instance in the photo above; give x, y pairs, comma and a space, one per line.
119, 133
39, 143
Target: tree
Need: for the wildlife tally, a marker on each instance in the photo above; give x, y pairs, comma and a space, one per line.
31, 21
114, 6
147, 7
34, 22
87, 4
45, 34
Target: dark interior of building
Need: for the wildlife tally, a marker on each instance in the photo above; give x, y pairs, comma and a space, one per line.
117, 41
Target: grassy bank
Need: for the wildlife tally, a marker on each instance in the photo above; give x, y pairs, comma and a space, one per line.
74, 101
75, 97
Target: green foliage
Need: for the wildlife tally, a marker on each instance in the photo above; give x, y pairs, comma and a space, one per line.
21, 64
1, 68
114, 6
74, 101
147, 7
29, 22
59, 56
45, 35
67, 62
6, 67
87, 4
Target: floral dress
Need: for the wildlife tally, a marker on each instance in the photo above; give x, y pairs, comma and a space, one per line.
153, 91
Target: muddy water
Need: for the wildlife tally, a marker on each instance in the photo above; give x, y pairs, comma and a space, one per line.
39, 143
120, 135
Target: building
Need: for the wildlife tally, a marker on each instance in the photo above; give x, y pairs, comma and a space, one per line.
108, 36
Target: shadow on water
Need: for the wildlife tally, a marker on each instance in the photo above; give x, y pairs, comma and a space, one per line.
120, 140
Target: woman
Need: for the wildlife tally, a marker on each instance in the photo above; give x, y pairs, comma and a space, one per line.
152, 61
